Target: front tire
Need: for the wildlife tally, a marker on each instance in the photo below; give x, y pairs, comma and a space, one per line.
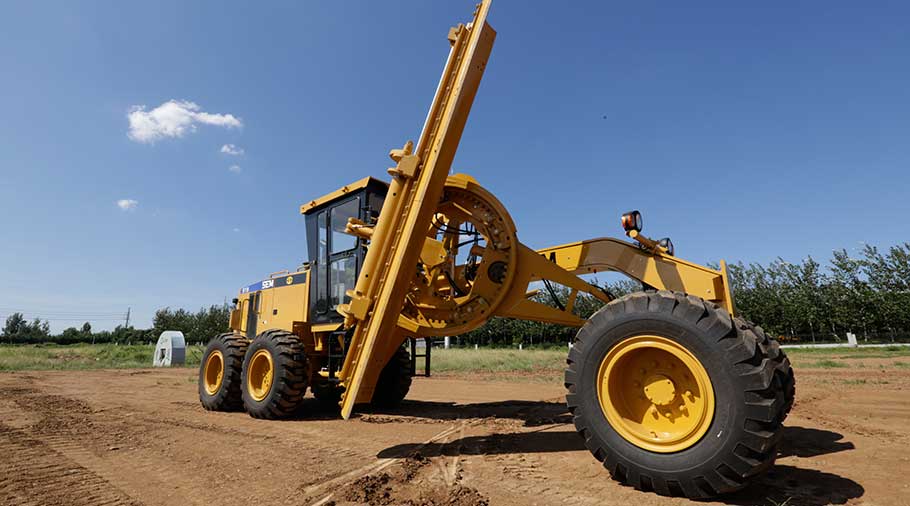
219, 372
675, 396
274, 377
394, 381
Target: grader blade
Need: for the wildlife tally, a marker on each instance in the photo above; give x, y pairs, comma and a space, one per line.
415, 190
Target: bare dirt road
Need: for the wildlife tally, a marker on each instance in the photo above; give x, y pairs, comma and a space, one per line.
140, 437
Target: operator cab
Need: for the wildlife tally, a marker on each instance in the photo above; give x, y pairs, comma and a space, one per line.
335, 257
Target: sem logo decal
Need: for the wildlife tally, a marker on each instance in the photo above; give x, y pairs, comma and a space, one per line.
269, 283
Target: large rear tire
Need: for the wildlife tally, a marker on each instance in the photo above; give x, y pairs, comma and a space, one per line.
328, 394
274, 377
675, 396
394, 381
219, 372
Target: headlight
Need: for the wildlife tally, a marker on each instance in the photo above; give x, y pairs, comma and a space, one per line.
632, 221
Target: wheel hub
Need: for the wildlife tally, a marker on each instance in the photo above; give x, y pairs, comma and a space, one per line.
660, 390
655, 393
259, 375
214, 372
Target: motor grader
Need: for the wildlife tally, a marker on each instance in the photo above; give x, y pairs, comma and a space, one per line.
668, 387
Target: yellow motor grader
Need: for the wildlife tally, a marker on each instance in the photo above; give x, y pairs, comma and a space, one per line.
668, 388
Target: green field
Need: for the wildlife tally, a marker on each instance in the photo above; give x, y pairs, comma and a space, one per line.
83, 356
484, 361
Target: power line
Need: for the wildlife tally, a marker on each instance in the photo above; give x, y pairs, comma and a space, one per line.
67, 315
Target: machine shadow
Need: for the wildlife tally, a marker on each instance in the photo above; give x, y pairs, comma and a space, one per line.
492, 444
809, 442
803, 487
531, 413
796, 486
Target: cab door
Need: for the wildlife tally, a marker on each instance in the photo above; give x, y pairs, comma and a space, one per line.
337, 259
252, 314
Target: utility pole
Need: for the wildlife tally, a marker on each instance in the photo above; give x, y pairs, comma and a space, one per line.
127, 325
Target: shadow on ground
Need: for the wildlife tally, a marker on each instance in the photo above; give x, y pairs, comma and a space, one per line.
796, 486
808, 442
532, 413
802, 487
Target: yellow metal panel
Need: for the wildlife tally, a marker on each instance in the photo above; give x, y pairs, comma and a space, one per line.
656, 269
391, 260
289, 303
264, 315
244, 305
325, 327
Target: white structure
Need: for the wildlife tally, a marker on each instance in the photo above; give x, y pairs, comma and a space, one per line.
851, 339
170, 350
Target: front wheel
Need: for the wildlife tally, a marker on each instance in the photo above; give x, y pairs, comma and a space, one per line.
219, 372
274, 376
675, 396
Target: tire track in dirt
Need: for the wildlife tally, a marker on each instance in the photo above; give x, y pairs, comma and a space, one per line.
42, 475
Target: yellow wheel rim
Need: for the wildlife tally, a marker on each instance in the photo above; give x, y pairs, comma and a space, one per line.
213, 372
655, 393
259, 375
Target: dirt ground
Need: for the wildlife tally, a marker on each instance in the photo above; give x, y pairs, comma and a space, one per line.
141, 437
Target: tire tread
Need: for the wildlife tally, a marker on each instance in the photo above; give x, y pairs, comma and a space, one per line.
764, 375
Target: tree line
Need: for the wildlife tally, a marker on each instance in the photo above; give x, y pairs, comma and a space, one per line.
197, 327
867, 294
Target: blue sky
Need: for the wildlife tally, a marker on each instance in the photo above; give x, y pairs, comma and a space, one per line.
744, 132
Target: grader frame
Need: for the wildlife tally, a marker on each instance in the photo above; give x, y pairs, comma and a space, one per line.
669, 388
399, 241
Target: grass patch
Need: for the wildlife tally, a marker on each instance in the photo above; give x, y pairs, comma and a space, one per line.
497, 360
83, 356
902, 365
845, 353
109, 356
828, 364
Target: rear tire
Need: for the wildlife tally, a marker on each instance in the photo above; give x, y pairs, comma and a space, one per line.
274, 377
750, 377
220, 371
394, 380
328, 394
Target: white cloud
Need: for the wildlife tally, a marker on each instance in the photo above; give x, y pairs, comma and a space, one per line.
236, 169
231, 149
236, 230
173, 118
127, 204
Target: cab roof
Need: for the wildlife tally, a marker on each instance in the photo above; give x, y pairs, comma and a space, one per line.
360, 184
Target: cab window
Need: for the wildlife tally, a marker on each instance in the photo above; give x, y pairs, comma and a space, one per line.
342, 241
322, 263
